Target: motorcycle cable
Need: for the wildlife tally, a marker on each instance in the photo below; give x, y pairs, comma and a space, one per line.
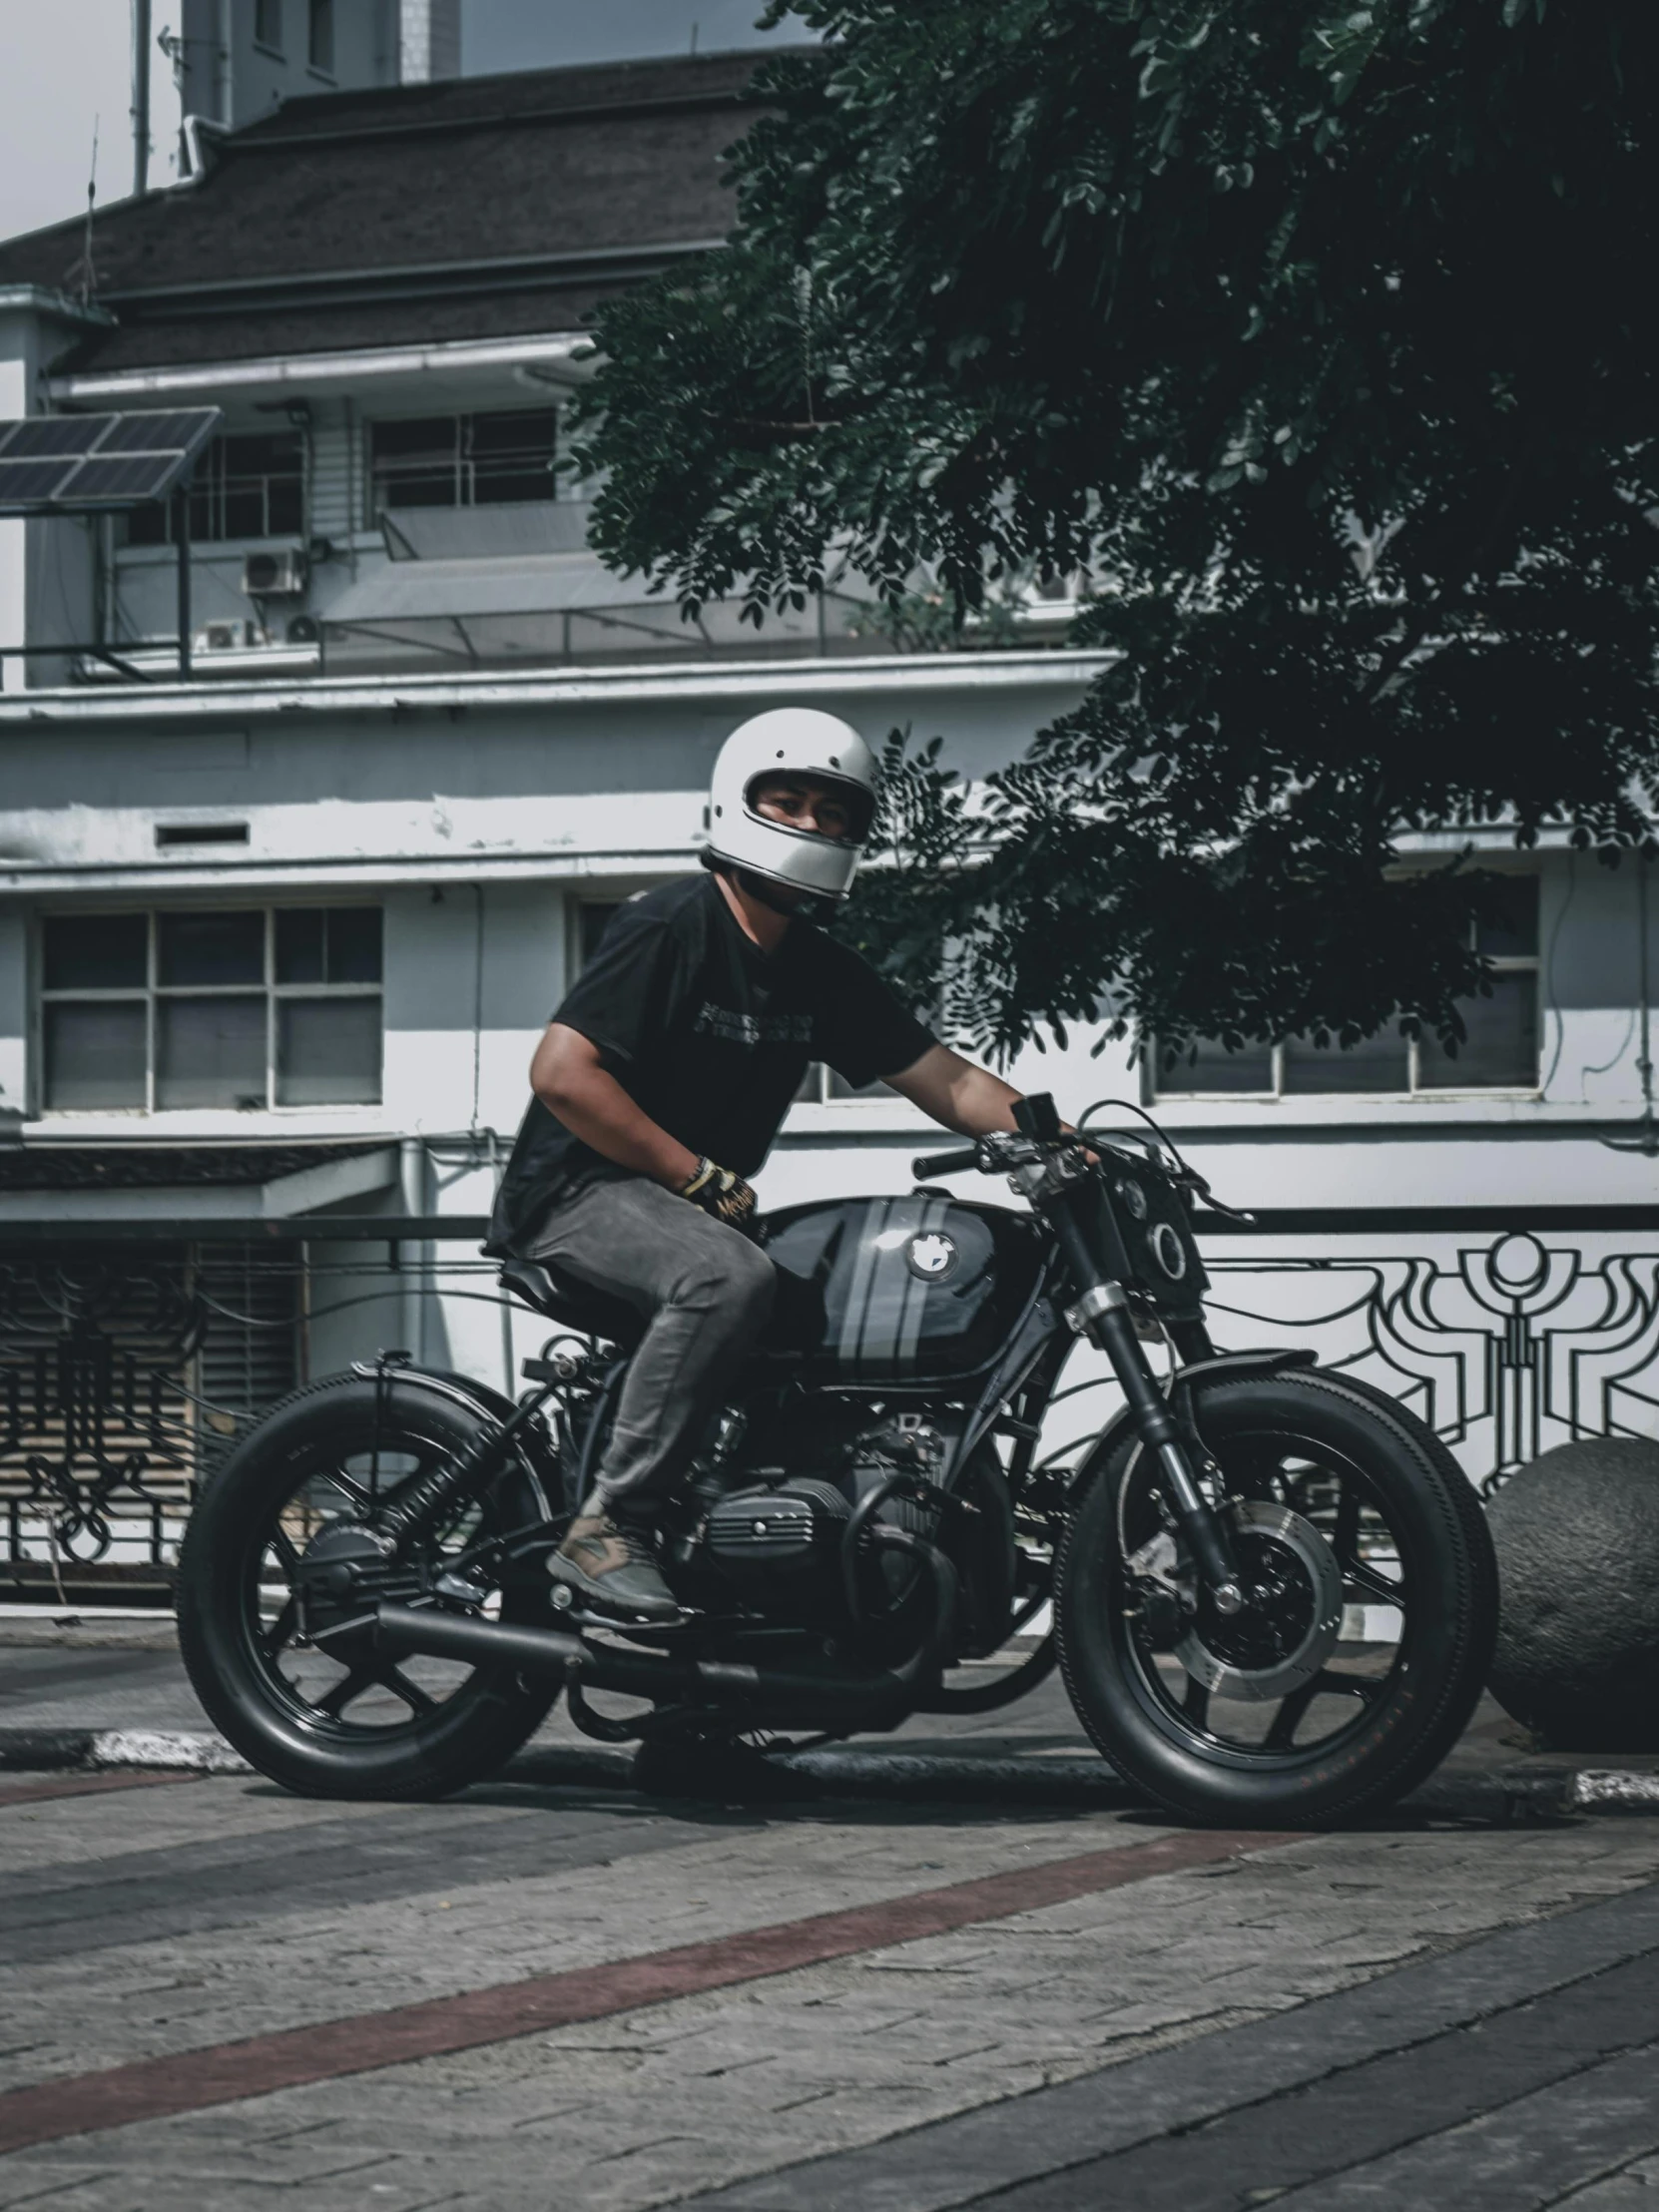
1189, 1173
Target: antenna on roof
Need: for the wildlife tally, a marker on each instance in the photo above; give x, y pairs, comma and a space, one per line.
87, 273
694, 38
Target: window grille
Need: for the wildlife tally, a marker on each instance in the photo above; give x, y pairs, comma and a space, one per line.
194, 1007
145, 1359
244, 487
469, 460
252, 1352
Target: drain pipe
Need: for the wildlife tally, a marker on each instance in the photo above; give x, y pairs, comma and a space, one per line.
412, 1176
1647, 1142
191, 128
141, 98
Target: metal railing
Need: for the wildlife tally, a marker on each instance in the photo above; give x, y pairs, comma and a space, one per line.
125, 1373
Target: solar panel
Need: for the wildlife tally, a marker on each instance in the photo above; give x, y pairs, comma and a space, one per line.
118, 476
74, 464
154, 433
32, 481
53, 434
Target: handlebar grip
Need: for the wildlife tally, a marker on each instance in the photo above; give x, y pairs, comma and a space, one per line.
943, 1163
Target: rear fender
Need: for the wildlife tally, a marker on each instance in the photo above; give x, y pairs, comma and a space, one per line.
530, 1448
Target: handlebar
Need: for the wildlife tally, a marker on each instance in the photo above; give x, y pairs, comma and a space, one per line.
1002, 1151
926, 1164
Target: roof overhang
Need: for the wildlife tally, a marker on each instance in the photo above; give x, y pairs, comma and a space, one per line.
143, 708
281, 1198
58, 307
531, 583
552, 356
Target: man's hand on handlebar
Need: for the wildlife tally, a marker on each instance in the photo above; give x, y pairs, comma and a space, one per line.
1000, 1150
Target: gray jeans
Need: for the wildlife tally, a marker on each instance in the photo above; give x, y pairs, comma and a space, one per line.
705, 1293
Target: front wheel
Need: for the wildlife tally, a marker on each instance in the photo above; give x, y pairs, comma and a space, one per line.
1362, 1649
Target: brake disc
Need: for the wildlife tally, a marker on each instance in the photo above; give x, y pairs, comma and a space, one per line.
1293, 1616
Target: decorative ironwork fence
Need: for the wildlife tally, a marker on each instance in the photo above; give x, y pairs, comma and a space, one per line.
1505, 1341
1505, 1345
125, 1373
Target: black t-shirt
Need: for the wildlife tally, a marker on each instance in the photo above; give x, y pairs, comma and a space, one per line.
709, 1035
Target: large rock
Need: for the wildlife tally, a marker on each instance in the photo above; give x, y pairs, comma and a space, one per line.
1577, 1537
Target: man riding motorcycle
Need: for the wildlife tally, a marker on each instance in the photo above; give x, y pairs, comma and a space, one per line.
659, 1084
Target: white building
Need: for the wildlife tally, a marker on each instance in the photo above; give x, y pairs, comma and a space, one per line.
235, 61
276, 943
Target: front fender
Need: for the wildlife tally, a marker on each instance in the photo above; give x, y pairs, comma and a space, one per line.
1267, 1360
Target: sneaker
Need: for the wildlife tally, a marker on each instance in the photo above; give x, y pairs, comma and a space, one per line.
612, 1565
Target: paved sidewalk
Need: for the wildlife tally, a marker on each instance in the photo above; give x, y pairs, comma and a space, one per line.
551, 1991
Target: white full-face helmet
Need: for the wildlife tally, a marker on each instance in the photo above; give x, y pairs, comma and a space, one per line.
791, 741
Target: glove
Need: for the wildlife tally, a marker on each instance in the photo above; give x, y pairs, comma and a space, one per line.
722, 1194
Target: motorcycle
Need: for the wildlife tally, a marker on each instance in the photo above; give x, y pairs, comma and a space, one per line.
1269, 1587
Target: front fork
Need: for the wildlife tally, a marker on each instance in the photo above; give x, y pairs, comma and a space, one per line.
1101, 1312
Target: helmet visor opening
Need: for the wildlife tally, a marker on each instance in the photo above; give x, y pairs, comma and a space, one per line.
811, 803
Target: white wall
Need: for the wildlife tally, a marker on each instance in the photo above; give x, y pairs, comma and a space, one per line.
498, 813
14, 1011
233, 81
47, 570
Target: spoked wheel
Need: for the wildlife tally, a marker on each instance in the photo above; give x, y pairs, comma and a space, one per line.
358, 1725
1371, 1602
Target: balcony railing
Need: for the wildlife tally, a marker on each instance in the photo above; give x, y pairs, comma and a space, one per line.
125, 1376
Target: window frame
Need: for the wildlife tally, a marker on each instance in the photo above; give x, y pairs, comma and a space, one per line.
460, 462
1510, 963
263, 13
152, 993
320, 54
210, 492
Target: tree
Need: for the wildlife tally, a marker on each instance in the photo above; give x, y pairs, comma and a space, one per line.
1314, 336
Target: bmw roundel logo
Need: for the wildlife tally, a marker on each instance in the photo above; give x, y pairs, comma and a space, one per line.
933, 1256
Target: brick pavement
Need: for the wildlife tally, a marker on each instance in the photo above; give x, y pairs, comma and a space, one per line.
168, 1920
1082, 2048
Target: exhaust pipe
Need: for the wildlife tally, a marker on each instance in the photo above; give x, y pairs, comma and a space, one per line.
765, 1693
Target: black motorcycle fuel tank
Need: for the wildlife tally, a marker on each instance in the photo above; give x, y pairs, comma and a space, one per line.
909, 1290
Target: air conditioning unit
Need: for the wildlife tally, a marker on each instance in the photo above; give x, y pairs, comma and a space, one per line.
233, 636
280, 575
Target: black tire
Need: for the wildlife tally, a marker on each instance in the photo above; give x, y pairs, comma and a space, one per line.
1412, 1706
250, 1692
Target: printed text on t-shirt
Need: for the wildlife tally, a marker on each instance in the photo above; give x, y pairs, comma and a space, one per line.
753, 1029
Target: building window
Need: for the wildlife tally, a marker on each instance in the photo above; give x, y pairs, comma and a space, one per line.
477, 460
593, 918
267, 25
1500, 1053
232, 1007
319, 39
244, 487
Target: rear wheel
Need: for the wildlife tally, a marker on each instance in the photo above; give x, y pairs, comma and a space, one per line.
363, 1726
1362, 1650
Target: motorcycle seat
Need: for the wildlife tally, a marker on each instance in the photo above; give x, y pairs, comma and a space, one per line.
560, 1297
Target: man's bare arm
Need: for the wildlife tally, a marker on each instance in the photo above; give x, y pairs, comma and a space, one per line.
955, 1093
569, 1078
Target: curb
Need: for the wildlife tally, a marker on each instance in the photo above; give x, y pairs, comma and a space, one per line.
1614, 1790
195, 1749
1512, 1794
